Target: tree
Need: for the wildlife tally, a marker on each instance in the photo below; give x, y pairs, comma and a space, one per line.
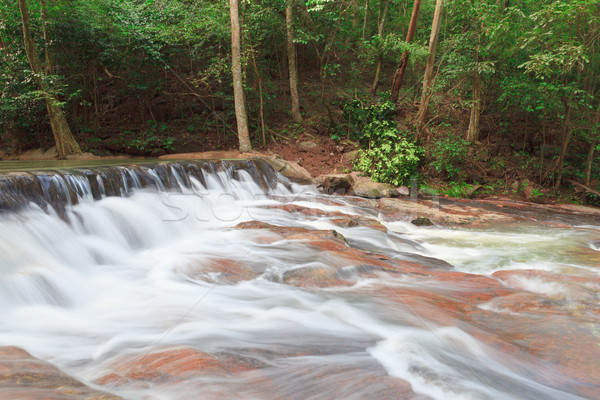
65, 143
383, 5
399, 74
427, 78
293, 69
238, 89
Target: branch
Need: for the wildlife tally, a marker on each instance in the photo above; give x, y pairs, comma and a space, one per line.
587, 189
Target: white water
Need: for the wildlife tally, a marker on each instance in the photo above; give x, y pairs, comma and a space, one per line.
126, 276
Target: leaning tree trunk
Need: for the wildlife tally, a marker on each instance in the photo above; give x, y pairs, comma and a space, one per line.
46, 34
65, 143
291, 50
399, 74
473, 131
427, 78
238, 89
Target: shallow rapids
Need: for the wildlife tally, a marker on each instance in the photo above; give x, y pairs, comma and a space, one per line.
244, 285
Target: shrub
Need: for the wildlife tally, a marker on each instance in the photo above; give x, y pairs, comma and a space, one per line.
450, 155
391, 156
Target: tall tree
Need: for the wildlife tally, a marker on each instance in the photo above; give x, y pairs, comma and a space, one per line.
593, 144
238, 88
399, 74
427, 78
65, 143
473, 130
383, 5
293, 69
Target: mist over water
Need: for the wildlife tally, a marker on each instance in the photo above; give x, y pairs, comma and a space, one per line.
91, 284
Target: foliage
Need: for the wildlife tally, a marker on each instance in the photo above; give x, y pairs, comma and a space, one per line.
450, 156
388, 155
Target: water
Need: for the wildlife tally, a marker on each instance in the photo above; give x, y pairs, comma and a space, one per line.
108, 271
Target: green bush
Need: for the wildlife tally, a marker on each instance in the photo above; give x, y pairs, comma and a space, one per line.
450, 155
391, 156
388, 155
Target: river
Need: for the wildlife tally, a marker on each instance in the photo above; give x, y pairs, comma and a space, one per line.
226, 280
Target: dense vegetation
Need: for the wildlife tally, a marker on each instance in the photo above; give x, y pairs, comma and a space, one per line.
507, 97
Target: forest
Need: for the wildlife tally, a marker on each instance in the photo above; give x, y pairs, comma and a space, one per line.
487, 96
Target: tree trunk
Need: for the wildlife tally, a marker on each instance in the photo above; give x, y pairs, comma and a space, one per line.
364, 30
567, 133
65, 143
380, 26
473, 131
236, 70
399, 74
593, 144
433, 41
46, 35
293, 69
263, 127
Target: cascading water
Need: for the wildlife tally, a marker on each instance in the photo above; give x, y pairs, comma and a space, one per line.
225, 280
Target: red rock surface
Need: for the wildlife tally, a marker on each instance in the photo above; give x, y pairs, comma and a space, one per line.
25, 377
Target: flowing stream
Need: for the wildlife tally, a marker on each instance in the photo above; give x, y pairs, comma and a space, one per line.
103, 268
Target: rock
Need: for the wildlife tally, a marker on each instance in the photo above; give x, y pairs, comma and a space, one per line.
349, 157
471, 190
450, 214
164, 365
36, 154
290, 169
335, 183
365, 187
218, 271
23, 376
403, 191
422, 221
313, 276
207, 155
307, 145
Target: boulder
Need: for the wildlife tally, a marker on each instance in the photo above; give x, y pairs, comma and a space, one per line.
335, 183
365, 187
421, 221
290, 169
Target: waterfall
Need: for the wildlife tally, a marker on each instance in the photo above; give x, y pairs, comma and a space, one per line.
166, 280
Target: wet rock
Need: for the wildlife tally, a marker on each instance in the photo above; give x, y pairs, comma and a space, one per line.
365, 187
219, 271
422, 221
166, 365
335, 183
295, 233
25, 377
442, 214
313, 276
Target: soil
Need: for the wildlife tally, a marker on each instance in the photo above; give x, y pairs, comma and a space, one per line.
317, 154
